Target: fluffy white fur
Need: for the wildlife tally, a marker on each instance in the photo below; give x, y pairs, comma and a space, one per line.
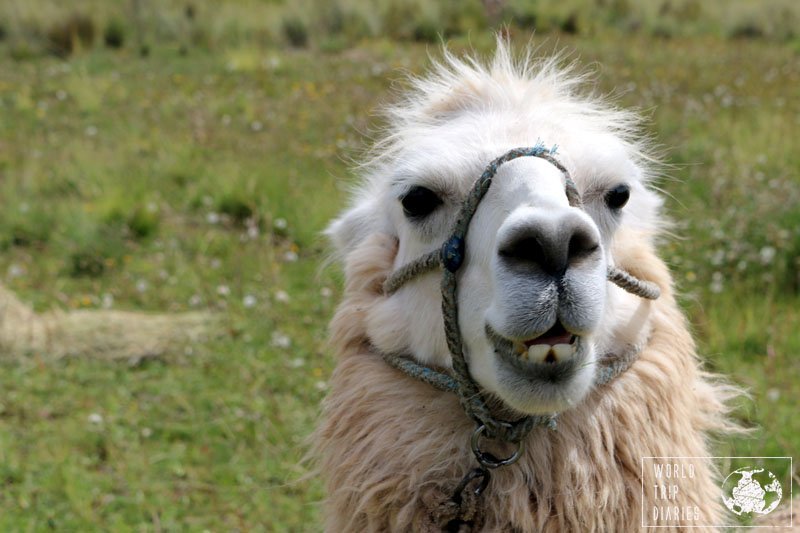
391, 447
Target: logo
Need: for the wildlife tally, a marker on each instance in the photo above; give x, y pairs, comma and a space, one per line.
749, 491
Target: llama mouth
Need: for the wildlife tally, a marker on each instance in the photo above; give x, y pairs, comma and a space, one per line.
552, 353
558, 334
549, 384
556, 345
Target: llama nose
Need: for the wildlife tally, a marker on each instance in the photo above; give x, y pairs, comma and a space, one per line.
551, 243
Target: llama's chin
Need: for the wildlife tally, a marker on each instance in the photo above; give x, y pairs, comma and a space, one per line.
549, 380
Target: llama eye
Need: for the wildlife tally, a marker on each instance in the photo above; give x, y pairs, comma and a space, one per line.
617, 197
419, 202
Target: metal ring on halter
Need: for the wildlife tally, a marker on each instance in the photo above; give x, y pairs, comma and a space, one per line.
487, 459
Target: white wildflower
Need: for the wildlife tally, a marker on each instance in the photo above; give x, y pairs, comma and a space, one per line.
280, 340
282, 297
766, 254
716, 282
249, 301
95, 418
773, 395
15, 271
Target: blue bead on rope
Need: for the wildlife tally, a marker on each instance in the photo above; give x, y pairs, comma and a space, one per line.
453, 253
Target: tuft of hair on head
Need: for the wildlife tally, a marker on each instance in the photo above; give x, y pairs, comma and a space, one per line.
455, 84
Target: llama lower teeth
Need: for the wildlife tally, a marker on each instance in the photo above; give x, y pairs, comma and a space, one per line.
538, 352
564, 352
545, 353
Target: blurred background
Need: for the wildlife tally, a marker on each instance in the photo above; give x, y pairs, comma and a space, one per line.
184, 155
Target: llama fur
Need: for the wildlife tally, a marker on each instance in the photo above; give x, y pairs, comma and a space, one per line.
391, 448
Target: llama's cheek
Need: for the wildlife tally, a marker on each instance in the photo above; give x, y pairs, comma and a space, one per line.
386, 327
410, 322
626, 321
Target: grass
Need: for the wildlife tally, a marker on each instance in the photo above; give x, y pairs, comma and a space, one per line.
202, 180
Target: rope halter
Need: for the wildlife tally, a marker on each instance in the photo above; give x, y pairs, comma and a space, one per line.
451, 256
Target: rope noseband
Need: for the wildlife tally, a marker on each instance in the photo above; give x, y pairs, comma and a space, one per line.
451, 257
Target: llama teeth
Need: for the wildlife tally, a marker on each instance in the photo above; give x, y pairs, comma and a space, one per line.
564, 352
538, 352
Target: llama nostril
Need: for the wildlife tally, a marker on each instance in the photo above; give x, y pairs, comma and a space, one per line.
527, 249
531, 250
581, 244
552, 248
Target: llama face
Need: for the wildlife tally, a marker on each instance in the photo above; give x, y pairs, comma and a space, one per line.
546, 297
535, 309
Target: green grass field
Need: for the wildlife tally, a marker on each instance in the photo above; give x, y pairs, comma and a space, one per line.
201, 177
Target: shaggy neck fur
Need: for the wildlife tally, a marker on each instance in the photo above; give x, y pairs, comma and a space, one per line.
392, 448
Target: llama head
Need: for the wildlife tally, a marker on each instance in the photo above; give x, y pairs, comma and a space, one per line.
535, 309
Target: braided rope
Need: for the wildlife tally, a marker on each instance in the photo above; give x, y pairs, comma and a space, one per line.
615, 364
425, 263
645, 289
451, 256
438, 379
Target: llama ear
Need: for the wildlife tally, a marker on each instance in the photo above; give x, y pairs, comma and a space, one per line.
353, 226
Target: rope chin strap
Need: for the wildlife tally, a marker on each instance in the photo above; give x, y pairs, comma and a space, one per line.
450, 257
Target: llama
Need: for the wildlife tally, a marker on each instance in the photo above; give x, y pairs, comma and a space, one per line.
536, 315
